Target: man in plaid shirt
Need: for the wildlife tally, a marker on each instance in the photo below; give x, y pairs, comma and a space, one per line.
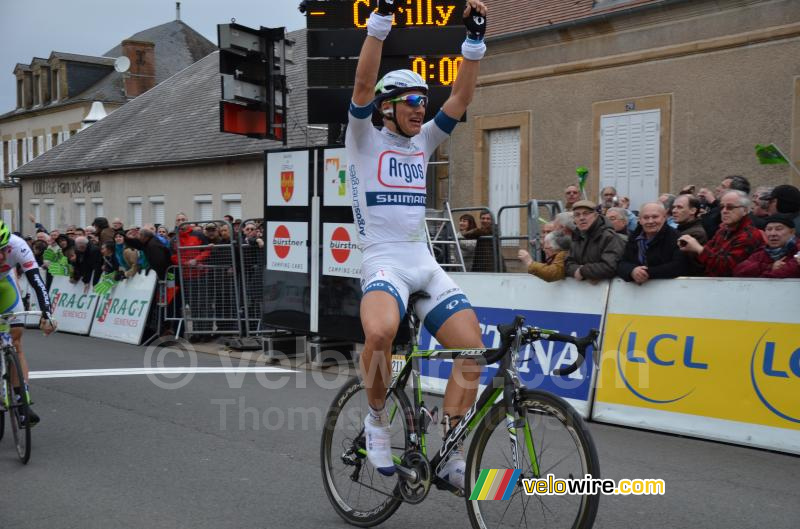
735, 240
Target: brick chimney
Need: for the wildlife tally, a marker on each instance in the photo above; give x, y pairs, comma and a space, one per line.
142, 74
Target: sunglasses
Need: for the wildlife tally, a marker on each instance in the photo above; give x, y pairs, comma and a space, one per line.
412, 100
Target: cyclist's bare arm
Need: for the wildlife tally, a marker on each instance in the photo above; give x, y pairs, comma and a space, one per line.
369, 60
367, 71
464, 86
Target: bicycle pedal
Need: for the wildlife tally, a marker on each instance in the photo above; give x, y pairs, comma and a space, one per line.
442, 484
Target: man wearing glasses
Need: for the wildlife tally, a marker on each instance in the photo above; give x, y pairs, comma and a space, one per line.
733, 242
387, 178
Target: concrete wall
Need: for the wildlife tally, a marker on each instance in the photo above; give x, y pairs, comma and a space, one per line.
178, 186
725, 75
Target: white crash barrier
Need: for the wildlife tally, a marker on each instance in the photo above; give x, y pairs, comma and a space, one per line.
73, 305
121, 314
711, 358
569, 307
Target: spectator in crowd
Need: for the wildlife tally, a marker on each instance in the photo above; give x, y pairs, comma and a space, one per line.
571, 195
686, 213
224, 230
163, 233
618, 219
608, 198
88, 262
105, 233
155, 253
92, 235
109, 263
596, 248
79, 232
625, 202
667, 200
253, 237
70, 232
734, 241
483, 258
237, 225
38, 247
652, 251
466, 222
192, 259
759, 211
713, 218
777, 258
785, 199
565, 223
228, 218
116, 225
556, 248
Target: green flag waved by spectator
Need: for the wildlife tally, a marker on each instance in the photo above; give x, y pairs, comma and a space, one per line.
770, 155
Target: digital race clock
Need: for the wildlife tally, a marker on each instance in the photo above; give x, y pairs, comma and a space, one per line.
426, 37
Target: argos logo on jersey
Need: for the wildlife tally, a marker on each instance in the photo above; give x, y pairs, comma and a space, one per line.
401, 170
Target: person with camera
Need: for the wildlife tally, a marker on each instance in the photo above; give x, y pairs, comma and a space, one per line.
735, 240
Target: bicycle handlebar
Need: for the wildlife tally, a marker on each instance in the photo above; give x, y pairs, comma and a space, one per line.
508, 333
9, 315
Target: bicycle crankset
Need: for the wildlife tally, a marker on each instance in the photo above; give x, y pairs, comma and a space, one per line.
415, 490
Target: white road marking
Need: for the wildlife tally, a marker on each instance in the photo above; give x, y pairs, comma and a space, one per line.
68, 373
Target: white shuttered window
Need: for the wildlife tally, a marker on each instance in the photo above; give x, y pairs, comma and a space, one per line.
630, 146
504, 167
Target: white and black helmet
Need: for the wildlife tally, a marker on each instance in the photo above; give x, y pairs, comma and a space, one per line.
397, 82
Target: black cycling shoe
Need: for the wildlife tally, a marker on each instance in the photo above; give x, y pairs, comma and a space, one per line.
28, 417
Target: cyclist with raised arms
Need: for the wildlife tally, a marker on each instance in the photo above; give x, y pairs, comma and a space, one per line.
14, 251
387, 174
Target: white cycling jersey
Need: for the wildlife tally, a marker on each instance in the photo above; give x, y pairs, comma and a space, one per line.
18, 253
386, 175
388, 187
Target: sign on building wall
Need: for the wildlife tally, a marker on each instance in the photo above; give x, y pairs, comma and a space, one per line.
287, 178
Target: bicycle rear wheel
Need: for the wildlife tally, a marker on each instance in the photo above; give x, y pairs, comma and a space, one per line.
357, 491
20, 429
562, 446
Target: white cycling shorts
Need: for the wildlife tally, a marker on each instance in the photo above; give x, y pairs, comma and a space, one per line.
402, 268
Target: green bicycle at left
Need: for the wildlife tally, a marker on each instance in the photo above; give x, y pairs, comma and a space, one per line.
14, 396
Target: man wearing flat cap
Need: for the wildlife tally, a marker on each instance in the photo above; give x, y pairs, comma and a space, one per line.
777, 258
784, 199
596, 248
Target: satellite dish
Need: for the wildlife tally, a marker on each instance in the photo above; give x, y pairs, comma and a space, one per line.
122, 64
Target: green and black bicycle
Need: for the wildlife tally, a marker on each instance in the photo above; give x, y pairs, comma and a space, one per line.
512, 427
14, 397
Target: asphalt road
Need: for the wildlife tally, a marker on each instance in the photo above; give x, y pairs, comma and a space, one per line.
236, 450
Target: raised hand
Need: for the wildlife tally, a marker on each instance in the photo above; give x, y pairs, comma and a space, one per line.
475, 19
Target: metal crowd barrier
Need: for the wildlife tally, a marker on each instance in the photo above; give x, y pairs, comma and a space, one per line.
252, 263
209, 282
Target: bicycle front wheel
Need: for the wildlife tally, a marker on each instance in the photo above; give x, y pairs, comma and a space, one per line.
357, 491
20, 429
559, 445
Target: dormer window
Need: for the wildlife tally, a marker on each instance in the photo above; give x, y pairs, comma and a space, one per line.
20, 94
56, 90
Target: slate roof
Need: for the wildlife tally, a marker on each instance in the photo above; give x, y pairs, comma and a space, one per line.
177, 46
177, 122
507, 17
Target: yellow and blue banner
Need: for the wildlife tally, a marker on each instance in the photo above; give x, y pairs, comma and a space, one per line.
495, 484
